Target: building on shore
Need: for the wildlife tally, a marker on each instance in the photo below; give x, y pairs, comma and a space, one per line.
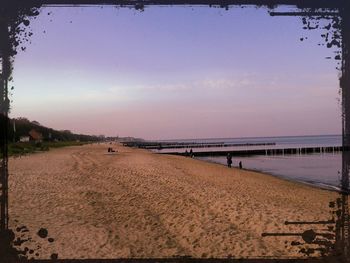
24, 138
35, 136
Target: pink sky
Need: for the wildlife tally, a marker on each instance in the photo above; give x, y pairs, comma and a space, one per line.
176, 73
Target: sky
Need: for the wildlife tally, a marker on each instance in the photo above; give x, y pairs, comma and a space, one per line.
176, 72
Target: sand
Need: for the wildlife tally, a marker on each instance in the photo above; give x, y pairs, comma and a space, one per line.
139, 204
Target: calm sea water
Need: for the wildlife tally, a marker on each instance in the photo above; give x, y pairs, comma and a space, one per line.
322, 170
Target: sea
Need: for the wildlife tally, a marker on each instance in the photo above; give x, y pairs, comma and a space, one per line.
322, 170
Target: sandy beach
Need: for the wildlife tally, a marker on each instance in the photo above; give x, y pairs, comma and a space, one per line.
139, 204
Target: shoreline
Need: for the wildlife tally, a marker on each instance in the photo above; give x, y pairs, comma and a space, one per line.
317, 185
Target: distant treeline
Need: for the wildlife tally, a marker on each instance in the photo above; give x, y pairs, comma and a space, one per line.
20, 127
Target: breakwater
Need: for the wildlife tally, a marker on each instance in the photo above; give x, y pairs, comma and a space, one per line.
277, 151
183, 145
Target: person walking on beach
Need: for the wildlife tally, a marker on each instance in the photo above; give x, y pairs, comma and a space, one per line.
240, 165
191, 153
229, 160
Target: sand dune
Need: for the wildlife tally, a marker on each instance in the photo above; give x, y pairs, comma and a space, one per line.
139, 204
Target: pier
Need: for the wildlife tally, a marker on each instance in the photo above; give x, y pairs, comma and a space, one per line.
277, 151
179, 145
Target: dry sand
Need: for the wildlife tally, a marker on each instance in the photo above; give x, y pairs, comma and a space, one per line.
139, 204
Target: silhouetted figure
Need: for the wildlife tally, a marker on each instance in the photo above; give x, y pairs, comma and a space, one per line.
191, 153
229, 160
110, 150
186, 153
240, 165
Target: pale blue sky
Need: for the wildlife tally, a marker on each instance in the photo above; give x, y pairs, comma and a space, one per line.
176, 72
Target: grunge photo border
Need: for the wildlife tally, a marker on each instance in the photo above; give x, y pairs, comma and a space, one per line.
14, 13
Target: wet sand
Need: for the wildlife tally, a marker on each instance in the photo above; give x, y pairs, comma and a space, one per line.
140, 204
